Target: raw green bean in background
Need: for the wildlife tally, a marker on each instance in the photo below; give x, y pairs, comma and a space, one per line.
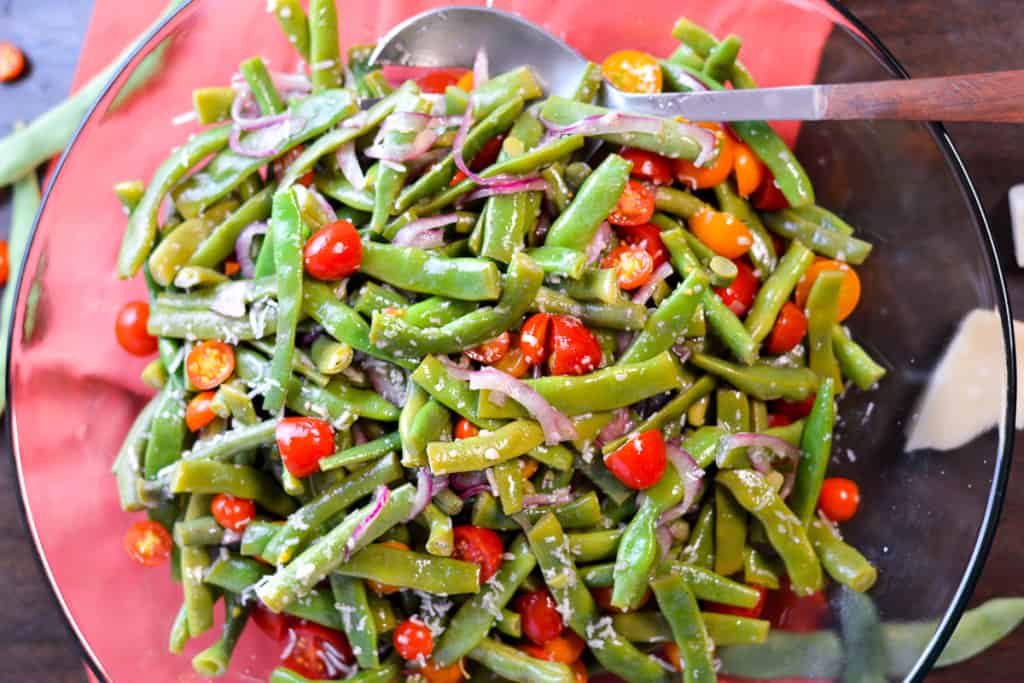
862, 637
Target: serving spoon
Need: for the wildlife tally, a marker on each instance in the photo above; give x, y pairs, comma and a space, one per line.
451, 36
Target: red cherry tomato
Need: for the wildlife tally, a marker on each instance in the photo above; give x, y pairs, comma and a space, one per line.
749, 612
302, 442
333, 252
579, 672
794, 410
5, 265
479, 545
491, 351
840, 498
232, 513
635, 207
412, 639
603, 598
198, 414
739, 296
647, 237
148, 543
791, 612
540, 617
640, 462
574, 348
634, 263
209, 364
790, 328
275, 625
488, 155
130, 328
319, 653
564, 649
436, 81
533, 338
768, 196
649, 166
464, 429
778, 420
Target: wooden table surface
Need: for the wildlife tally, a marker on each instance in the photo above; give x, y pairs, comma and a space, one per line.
930, 39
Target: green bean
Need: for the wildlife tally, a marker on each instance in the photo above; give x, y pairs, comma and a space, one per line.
728, 328
455, 394
406, 569
680, 610
486, 450
416, 270
510, 624
177, 247
841, 561
669, 413
391, 176
594, 284
678, 202
674, 314
514, 665
517, 82
558, 192
762, 251
199, 598
685, 55
262, 86
822, 316
593, 546
575, 226
818, 654
373, 297
825, 218
256, 536
335, 186
777, 289
622, 315
128, 464
819, 239
432, 423
511, 485
448, 502
128, 192
723, 629
556, 457
385, 674
220, 243
440, 541
854, 362
863, 639
376, 84
598, 575
696, 38
324, 53
350, 596
167, 429
371, 450
295, 25
757, 569
207, 476
816, 447
200, 531
721, 58
595, 470
762, 382
330, 357
589, 84
576, 173
213, 661
730, 533
179, 632
582, 513
238, 440
436, 311
709, 585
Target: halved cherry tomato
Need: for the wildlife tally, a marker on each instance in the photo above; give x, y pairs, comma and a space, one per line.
779, 420
840, 498
333, 252
209, 364
635, 206
574, 349
465, 82
453, 673
647, 237
748, 169
794, 410
579, 672
436, 81
528, 467
632, 71
318, 653
5, 265
849, 291
702, 177
12, 62
232, 513
640, 462
564, 649
479, 545
148, 543
464, 429
722, 232
540, 617
198, 414
533, 338
789, 329
649, 166
739, 296
513, 363
635, 265
274, 624
302, 441
491, 351
383, 588
603, 598
413, 639
281, 165
130, 328
231, 268
768, 196
749, 612
791, 612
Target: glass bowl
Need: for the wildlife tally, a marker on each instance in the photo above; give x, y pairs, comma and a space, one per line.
928, 517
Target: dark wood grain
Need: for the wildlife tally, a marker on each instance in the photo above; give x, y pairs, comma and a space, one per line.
930, 38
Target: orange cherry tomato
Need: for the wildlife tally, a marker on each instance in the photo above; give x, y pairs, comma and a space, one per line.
749, 612
130, 328
672, 654
849, 291
789, 329
481, 546
413, 639
640, 462
748, 169
452, 673
533, 338
702, 177
574, 349
209, 364
333, 252
274, 624
231, 268
633, 71
198, 414
383, 588
148, 543
635, 265
564, 649
603, 598
788, 611
302, 441
232, 513
465, 82
840, 498
464, 429
635, 206
528, 466
647, 237
648, 166
514, 363
317, 651
739, 296
725, 234
5, 265
768, 196
491, 351
436, 81
12, 62
540, 617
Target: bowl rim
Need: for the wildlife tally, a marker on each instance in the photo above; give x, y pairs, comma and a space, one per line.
942, 139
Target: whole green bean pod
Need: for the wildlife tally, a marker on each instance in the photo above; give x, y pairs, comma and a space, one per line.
730, 533
407, 569
129, 461
822, 316
167, 429
293, 21
762, 251
288, 235
814, 236
324, 52
841, 561
241, 481
514, 665
575, 226
777, 289
709, 585
418, 271
816, 448
214, 660
723, 629
199, 598
854, 362
360, 629
663, 327
729, 328
582, 513
621, 315
485, 450
683, 615
762, 382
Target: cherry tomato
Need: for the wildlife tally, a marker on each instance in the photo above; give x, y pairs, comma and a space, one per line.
198, 414
603, 598
791, 612
514, 363
540, 617
491, 351
748, 169
632, 71
318, 653
749, 612
533, 338
232, 513
528, 466
579, 672
274, 624
640, 462
739, 296
777, 420
768, 196
302, 442
479, 545
433, 673
333, 252
12, 62
794, 410
130, 328
849, 291
464, 429
635, 206
840, 498
412, 639
702, 177
574, 349
488, 155
722, 232
5, 265
635, 265
789, 329
436, 81
670, 651
564, 649
209, 364
649, 166
231, 268
647, 237
148, 543
465, 82
383, 588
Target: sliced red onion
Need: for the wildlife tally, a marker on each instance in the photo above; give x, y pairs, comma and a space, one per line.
556, 425
380, 499
460, 163
556, 497
424, 140
426, 160
665, 540
474, 491
619, 426
358, 435
325, 206
762, 449
423, 232
230, 299
466, 480
642, 295
349, 165
598, 243
455, 370
511, 186
267, 141
387, 380
481, 68
692, 477
424, 493
250, 124
357, 120
440, 483
243, 247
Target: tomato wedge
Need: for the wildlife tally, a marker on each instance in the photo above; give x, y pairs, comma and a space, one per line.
788, 331
318, 653
640, 462
491, 351
198, 414
533, 338
647, 237
574, 349
209, 364
481, 546
648, 166
232, 513
148, 543
635, 206
302, 441
635, 265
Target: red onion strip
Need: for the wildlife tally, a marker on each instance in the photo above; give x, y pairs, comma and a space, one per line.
481, 69
786, 453
380, 499
556, 425
474, 490
643, 294
243, 247
692, 477
411, 234
424, 492
619, 426
557, 497
598, 243
349, 165
514, 186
